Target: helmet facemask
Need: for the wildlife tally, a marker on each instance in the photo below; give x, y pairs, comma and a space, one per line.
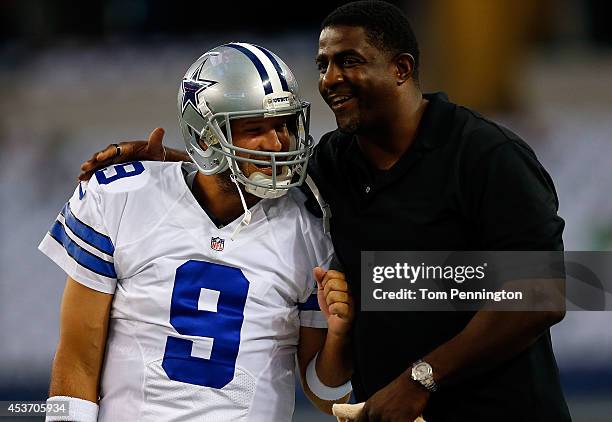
285, 166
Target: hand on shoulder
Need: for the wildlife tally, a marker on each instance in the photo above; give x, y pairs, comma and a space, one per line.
150, 150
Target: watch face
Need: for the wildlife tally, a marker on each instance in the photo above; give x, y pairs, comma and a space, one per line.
422, 371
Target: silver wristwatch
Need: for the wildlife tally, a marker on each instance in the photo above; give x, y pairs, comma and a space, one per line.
423, 374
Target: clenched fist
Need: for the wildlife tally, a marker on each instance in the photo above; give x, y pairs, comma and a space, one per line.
335, 300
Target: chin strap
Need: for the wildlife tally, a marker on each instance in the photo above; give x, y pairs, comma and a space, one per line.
322, 204
247, 213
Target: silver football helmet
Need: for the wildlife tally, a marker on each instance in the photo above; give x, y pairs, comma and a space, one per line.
240, 80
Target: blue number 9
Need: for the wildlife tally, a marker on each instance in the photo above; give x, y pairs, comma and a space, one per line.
200, 284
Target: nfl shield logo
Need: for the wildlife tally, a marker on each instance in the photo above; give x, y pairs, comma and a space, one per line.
216, 243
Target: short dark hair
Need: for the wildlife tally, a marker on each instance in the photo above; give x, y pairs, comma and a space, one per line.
386, 26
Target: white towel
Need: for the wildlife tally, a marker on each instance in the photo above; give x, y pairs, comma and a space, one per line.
350, 412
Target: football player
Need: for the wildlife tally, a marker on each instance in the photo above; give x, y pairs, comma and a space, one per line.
190, 288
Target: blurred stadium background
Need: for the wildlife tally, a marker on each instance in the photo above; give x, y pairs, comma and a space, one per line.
77, 76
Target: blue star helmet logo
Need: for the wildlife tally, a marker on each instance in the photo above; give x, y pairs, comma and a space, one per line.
192, 86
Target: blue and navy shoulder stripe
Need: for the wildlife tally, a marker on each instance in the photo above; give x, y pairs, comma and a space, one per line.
311, 304
88, 247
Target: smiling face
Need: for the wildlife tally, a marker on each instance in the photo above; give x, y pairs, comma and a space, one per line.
270, 134
356, 79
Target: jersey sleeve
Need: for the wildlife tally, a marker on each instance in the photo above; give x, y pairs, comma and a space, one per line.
310, 312
319, 249
79, 242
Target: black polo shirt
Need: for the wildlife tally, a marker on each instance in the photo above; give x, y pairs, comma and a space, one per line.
466, 183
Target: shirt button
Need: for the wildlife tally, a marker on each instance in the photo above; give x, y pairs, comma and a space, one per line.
367, 189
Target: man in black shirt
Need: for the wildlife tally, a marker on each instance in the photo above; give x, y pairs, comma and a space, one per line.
413, 172
406, 171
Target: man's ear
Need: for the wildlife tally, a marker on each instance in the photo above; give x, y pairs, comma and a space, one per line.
404, 66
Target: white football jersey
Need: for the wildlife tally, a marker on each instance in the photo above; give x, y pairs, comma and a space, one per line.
202, 328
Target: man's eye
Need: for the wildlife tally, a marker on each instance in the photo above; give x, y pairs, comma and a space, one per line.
349, 62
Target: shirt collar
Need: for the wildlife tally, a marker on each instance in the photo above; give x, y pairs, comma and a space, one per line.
436, 122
